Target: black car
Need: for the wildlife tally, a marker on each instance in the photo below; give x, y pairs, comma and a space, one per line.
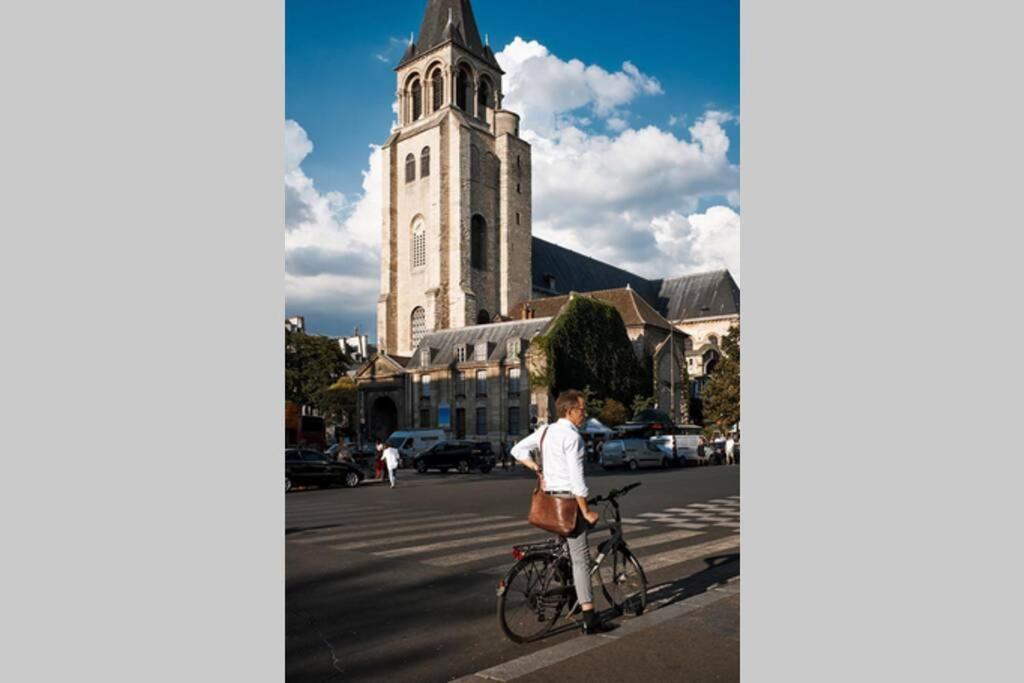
310, 468
458, 455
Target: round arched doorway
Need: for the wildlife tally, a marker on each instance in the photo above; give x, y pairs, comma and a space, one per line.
383, 418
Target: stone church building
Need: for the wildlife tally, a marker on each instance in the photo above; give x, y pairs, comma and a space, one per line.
465, 285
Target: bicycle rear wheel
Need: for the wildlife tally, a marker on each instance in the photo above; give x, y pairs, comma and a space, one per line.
531, 598
624, 583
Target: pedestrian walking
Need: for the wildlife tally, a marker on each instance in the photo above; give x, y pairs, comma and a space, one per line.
561, 474
504, 455
730, 448
391, 458
380, 460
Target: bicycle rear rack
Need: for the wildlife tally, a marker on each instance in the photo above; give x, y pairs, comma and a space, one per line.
541, 546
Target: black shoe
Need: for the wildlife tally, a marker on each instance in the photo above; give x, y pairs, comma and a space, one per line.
592, 625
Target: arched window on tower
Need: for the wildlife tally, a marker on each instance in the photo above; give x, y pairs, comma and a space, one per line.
462, 85
483, 97
410, 168
417, 100
419, 325
419, 245
483, 317
437, 80
478, 242
425, 162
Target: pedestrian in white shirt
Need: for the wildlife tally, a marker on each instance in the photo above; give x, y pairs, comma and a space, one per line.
730, 447
561, 474
391, 458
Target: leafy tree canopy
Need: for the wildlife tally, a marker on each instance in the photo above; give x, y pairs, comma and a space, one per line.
721, 395
312, 365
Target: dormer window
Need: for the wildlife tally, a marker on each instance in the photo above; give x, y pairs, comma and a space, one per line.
549, 282
425, 357
480, 352
514, 348
460, 353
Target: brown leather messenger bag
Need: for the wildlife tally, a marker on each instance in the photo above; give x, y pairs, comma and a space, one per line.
548, 512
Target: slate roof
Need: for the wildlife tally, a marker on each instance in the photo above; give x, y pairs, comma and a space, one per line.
700, 295
630, 305
435, 31
443, 342
574, 272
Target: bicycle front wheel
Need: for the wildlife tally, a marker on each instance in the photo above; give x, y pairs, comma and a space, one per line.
624, 583
531, 598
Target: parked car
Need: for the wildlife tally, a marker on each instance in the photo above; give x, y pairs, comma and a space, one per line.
311, 468
682, 448
633, 453
458, 455
412, 442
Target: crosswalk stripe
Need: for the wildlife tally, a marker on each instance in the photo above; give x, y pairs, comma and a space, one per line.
391, 540
657, 539
348, 515
292, 505
358, 533
401, 523
486, 553
443, 545
687, 525
691, 552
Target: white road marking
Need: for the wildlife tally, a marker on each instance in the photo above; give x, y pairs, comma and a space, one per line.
443, 545
352, 534
391, 540
692, 552
657, 539
687, 525
485, 553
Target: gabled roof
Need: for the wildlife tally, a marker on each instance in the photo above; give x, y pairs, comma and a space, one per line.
449, 20
575, 272
701, 295
630, 305
444, 342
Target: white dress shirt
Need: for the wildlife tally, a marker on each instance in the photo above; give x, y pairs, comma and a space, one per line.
391, 457
563, 456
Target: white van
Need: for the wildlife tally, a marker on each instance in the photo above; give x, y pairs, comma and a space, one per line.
414, 441
682, 446
632, 453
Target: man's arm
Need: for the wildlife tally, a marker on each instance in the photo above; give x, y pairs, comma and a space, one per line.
576, 452
523, 451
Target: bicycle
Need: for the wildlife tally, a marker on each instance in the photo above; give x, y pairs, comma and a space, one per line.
538, 587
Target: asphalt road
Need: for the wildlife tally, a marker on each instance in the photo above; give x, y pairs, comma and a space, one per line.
399, 584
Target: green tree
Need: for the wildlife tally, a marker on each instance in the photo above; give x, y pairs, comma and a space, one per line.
642, 403
312, 365
587, 347
721, 395
338, 403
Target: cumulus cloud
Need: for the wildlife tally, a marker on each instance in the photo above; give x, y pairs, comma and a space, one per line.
542, 87
332, 245
626, 196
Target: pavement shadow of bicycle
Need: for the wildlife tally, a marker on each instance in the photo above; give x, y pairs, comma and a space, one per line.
720, 570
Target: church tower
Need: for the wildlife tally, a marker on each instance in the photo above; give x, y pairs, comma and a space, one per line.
456, 238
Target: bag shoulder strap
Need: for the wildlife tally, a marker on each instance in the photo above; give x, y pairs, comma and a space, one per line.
542, 435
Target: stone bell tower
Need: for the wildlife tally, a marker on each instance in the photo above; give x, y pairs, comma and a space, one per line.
456, 234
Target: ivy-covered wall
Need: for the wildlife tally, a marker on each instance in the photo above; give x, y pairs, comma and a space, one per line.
587, 346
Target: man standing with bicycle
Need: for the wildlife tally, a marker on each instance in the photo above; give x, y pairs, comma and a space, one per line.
561, 474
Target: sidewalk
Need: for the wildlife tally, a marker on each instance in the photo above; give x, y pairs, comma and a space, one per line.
696, 639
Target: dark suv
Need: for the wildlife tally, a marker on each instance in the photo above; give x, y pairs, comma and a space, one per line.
458, 455
309, 468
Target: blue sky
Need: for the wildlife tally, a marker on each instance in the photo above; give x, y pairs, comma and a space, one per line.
340, 56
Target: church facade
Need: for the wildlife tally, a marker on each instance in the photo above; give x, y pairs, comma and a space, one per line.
465, 285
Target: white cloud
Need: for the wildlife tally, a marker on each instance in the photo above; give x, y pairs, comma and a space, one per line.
607, 195
540, 87
701, 241
332, 246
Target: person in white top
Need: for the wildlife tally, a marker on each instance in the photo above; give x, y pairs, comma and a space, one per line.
391, 458
730, 447
561, 474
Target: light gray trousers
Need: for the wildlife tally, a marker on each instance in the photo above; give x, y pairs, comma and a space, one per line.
579, 551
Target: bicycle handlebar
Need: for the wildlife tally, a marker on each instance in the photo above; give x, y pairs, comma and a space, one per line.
614, 493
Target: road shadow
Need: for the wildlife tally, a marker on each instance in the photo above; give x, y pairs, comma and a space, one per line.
719, 570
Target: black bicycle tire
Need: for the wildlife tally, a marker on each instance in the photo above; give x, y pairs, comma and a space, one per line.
631, 559
508, 579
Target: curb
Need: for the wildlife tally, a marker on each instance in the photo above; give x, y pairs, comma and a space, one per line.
541, 659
